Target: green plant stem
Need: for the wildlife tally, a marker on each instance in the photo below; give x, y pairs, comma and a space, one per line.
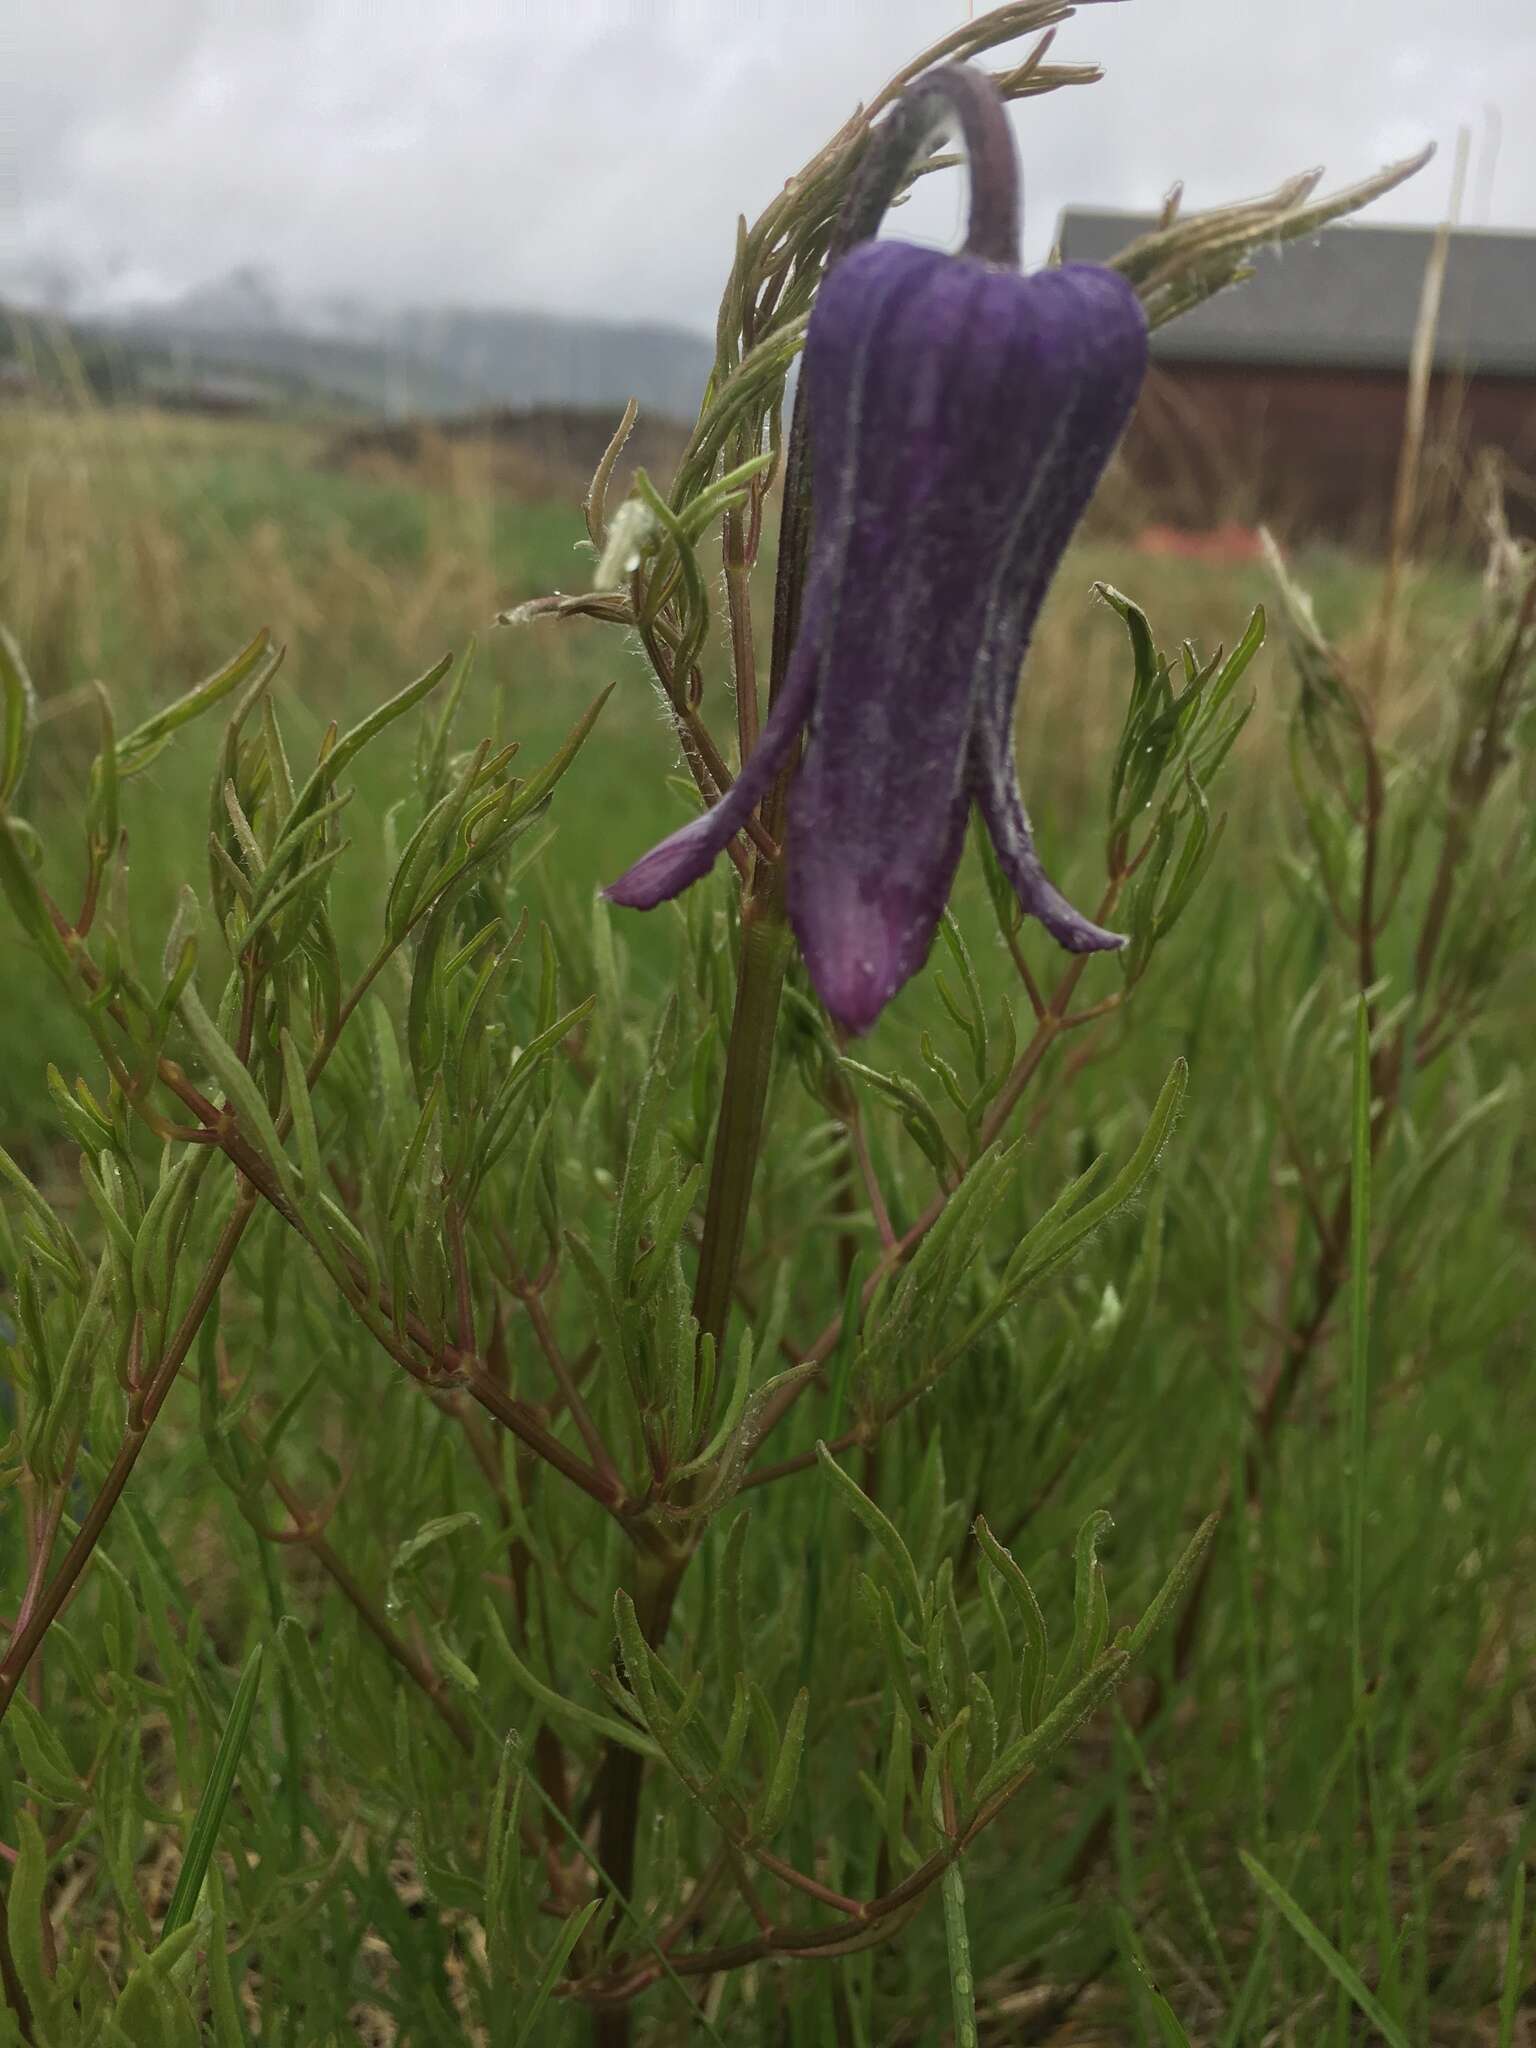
765, 948
738, 593
765, 935
620, 1780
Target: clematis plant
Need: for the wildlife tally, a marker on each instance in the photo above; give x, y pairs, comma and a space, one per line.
650, 1760
959, 416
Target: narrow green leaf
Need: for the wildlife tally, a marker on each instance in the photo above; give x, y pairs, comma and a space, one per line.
153, 2011
741, 1386
1040, 1254
540, 784
239, 1084
102, 805
299, 1656
639, 1168
1342, 1972
570, 1933
44, 1761
140, 747
637, 1661
52, 1228
1170, 2030
570, 1711
786, 1769
729, 1640
19, 886
896, 1787
206, 1822
439, 1529
1037, 1642
24, 1914
158, 1238
1090, 1608
665, 1231
368, 729
1020, 1758
18, 715
273, 905
1172, 1587
899, 1655
879, 1526
302, 1111
735, 1734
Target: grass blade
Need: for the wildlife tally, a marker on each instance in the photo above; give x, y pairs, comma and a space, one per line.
1170, 2029
1342, 1972
1360, 1337
1510, 2000
204, 1832
559, 1955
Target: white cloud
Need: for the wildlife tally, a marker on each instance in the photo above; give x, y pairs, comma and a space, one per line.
592, 155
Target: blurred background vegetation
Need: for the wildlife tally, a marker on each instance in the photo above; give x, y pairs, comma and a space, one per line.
142, 548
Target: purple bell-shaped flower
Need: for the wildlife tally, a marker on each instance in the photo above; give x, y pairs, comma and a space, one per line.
960, 417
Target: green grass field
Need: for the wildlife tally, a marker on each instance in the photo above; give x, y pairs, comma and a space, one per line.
1307, 1824
140, 550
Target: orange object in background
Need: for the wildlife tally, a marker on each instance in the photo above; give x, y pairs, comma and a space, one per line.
1229, 542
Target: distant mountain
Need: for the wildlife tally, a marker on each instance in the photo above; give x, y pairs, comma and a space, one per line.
415, 360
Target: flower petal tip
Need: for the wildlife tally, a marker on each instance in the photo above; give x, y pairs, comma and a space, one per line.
855, 1008
1092, 938
1075, 934
855, 981
665, 871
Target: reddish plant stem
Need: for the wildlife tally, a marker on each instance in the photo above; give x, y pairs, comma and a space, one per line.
443, 1366
42, 1531
24, 1643
858, 1141
415, 1666
597, 1449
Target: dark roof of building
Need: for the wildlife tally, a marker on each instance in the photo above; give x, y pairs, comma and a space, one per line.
1348, 297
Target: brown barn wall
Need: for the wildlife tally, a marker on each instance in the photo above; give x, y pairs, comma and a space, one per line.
1314, 451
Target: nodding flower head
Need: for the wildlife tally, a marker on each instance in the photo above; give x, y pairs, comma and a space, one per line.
960, 416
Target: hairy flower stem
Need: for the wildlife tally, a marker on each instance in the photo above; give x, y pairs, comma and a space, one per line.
766, 942
765, 949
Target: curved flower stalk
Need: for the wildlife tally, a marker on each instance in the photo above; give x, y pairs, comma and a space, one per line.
960, 417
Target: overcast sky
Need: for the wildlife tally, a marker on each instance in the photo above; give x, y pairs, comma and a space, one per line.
590, 156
